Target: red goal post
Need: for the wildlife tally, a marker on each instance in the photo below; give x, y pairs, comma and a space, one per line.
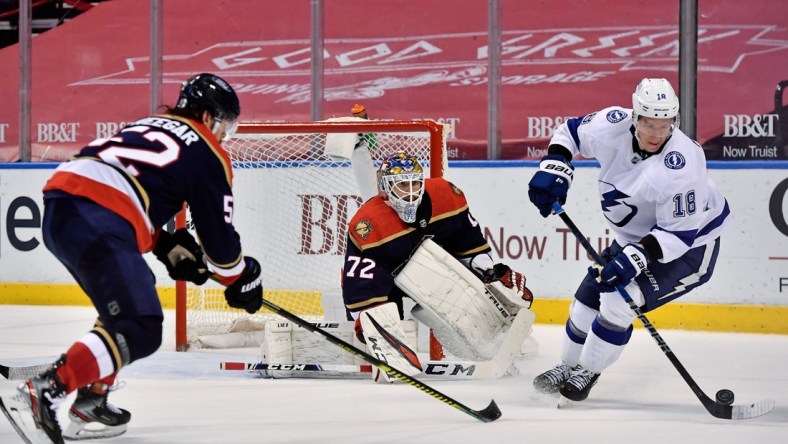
293, 202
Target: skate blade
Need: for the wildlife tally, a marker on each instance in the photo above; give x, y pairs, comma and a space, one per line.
79, 430
563, 402
21, 418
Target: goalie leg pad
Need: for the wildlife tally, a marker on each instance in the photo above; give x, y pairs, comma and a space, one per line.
277, 347
287, 343
311, 348
452, 294
386, 340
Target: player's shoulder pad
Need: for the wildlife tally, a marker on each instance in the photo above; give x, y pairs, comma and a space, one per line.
680, 166
613, 115
683, 155
447, 198
604, 124
375, 223
207, 138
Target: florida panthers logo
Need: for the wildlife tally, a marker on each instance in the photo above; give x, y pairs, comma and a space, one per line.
363, 228
614, 205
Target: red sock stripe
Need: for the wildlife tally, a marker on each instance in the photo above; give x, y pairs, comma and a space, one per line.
80, 368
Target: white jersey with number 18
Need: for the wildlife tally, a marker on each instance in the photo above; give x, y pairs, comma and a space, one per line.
668, 194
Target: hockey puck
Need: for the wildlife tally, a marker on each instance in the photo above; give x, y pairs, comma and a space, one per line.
725, 397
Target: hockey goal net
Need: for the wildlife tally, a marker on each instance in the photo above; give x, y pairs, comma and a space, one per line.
292, 205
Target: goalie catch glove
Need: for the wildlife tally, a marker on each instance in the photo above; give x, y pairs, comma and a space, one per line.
502, 275
246, 292
182, 256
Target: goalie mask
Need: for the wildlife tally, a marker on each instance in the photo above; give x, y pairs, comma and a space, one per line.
401, 184
207, 92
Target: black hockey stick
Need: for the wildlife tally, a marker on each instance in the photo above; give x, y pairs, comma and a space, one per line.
722, 407
488, 414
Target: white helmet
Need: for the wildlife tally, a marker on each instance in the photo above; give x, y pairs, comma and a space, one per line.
401, 184
655, 98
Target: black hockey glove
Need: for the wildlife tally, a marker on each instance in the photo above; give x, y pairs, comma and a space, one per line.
247, 292
551, 183
182, 256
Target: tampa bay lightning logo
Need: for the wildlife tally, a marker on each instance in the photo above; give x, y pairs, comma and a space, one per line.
674, 160
614, 205
616, 116
587, 118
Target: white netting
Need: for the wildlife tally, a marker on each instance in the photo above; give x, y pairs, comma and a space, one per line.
292, 207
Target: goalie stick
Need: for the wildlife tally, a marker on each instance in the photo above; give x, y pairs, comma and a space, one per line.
721, 408
442, 370
318, 371
488, 414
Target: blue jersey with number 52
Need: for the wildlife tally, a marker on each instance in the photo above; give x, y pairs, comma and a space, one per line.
148, 170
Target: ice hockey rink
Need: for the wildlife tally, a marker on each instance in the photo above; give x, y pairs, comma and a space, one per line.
185, 398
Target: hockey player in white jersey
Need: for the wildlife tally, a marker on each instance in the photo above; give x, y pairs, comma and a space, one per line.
665, 212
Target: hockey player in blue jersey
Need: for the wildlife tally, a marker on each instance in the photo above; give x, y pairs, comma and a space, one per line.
103, 210
665, 212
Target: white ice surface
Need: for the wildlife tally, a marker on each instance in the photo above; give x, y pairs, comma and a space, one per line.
185, 398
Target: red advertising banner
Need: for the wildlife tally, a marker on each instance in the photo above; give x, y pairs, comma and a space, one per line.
405, 60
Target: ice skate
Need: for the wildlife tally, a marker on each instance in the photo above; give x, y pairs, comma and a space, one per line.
32, 411
92, 416
550, 381
579, 384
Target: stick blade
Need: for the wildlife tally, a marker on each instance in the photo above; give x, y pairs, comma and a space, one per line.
737, 412
489, 413
23, 372
753, 410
